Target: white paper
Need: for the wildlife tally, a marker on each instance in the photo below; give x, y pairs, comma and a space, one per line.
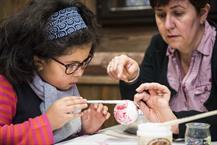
99, 139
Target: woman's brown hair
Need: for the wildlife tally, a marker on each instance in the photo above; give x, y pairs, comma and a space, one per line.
198, 4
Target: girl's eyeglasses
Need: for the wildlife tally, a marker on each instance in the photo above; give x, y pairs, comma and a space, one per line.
74, 66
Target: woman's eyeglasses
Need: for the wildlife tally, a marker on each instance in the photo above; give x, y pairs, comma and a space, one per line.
74, 66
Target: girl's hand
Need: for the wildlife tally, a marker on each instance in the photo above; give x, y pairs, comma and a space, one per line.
64, 110
123, 68
153, 100
94, 117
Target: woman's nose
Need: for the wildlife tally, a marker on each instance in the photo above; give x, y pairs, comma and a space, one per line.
169, 22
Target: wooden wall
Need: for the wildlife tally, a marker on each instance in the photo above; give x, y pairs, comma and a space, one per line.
91, 4
95, 84
9, 7
115, 40
101, 88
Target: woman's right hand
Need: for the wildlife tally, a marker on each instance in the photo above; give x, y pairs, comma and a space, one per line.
64, 110
123, 68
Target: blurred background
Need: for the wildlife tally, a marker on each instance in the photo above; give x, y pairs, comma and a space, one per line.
126, 27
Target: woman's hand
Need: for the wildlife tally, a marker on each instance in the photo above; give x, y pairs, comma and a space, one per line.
64, 110
153, 100
123, 68
94, 117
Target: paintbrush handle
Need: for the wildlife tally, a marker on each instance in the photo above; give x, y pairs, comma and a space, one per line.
191, 118
105, 101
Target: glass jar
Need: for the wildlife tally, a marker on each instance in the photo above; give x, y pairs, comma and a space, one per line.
197, 134
154, 133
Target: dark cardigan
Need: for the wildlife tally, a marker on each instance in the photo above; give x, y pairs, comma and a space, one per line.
154, 69
28, 103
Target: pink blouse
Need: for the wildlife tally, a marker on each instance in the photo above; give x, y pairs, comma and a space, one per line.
194, 88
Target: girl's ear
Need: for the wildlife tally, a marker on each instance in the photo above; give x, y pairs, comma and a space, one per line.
204, 13
39, 63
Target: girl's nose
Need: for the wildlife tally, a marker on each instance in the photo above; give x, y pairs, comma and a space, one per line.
79, 72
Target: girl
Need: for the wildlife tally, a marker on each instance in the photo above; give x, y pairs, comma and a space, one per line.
43, 52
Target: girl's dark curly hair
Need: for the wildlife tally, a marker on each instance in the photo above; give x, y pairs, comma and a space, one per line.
198, 4
24, 36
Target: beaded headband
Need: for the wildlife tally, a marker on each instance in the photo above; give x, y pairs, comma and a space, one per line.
64, 22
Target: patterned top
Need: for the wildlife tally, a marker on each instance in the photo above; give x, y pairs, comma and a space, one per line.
33, 131
193, 89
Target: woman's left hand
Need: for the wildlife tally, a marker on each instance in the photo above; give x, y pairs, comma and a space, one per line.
94, 117
153, 100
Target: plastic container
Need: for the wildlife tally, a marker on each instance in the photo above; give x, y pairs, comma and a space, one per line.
154, 133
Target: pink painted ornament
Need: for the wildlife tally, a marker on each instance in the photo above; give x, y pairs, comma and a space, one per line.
126, 113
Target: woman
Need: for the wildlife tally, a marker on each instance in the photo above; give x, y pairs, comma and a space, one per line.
182, 58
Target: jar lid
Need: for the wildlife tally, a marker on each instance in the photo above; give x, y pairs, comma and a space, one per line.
198, 125
153, 128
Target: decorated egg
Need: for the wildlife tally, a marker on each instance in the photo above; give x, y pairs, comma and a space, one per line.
126, 112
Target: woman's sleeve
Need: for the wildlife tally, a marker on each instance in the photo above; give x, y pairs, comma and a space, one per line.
33, 131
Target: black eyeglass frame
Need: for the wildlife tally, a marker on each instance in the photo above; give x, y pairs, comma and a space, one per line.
75, 64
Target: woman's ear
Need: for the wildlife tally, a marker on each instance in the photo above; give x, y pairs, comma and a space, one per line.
39, 63
204, 13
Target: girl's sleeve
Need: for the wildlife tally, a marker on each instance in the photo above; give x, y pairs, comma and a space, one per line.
33, 131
